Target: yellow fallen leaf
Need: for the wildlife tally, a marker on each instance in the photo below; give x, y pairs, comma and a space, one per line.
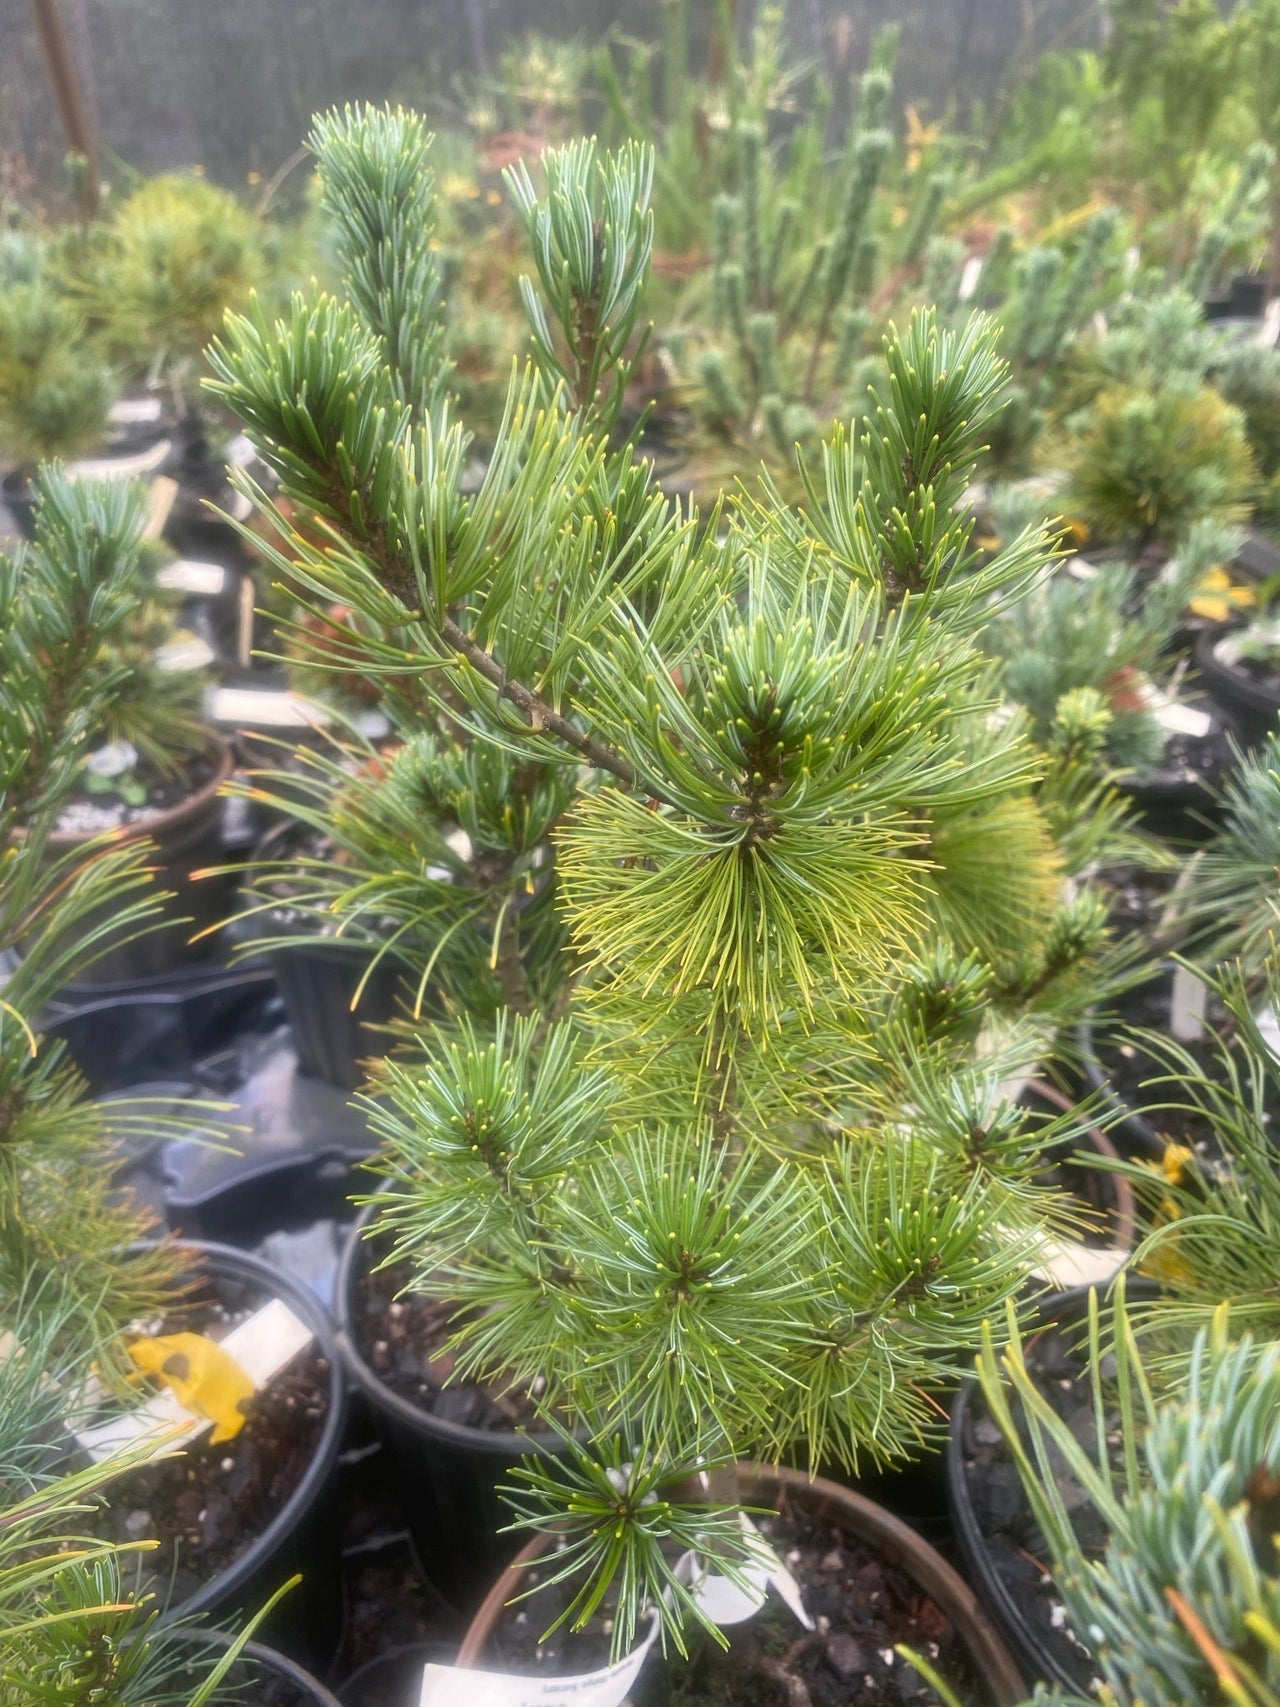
203, 1376
1213, 606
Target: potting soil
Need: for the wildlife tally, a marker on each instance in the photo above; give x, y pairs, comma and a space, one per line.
87, 814
1017, 1551
863, 1604
404, 1341
208, 1504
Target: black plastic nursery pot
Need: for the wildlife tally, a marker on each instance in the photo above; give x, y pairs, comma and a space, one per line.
1120, 1080
1246, 299
448, 1471
333, 1033
1253, 699
18, 498
332, 1000
394, 1679
195, 526
1107, 1198
261, 1677
1010, 1581
283, 1193
163, 1030
188, 839
1136, 1133
764, 1486
299, 1537
1180, 800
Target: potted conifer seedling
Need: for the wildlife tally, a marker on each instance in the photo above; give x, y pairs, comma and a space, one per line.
56, 390
155, 280
67, 603
1106, 630
72, 1627
745, 1176
1161, 1536
153, 767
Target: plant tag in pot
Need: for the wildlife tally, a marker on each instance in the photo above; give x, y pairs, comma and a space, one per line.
723, 1601
135, 411
207, 1381
1177, 718
188, 576
264, 708
1186, 1021
184, 652
969, 277
1267, 1021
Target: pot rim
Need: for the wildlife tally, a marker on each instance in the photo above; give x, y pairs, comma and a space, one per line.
1225, 673
863, 1518
1125, 1210
156, 823
498, 1443
1058, 1308
221, 1588
280, 1663
1143, 1132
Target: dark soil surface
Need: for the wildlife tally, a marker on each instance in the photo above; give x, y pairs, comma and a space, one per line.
1187, 761
89, 814
208, 1505
1137, 898
403, 1341
1016, 1549
862, 1603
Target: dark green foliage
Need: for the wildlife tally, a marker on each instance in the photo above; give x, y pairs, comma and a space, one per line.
674, 1192
1184, 1604
55, 390
378, 193
65, 604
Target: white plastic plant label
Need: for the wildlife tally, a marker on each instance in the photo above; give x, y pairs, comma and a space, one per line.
723, 1601
969, 277
135, 411
1068, 1263
184, 652
261, 708
1179, 719
448, 1686
1189, 997
1267, 1021
188, 576
262, 1345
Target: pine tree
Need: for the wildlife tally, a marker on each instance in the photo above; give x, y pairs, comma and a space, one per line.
1184, 1603
746, 1176
65, 601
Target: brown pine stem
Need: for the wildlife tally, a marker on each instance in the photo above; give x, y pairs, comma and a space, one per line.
538, 712
507, 961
